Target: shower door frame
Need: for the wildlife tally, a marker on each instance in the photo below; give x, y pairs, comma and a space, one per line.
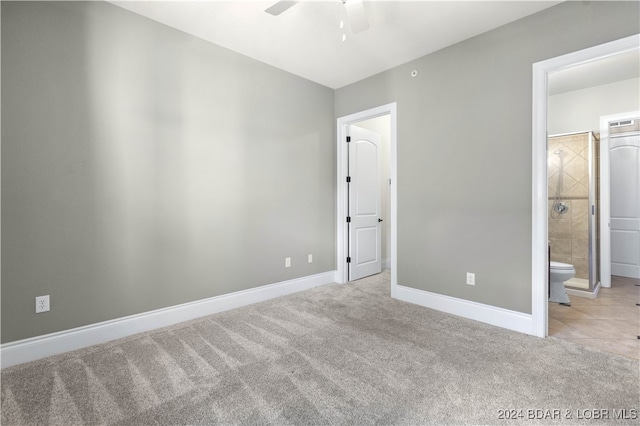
539, 223
592, 212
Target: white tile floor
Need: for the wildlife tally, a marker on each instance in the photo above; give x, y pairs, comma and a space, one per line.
610, 322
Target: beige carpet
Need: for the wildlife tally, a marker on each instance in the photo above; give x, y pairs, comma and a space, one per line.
337, 354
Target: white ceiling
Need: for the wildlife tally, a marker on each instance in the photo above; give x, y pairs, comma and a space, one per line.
306, 40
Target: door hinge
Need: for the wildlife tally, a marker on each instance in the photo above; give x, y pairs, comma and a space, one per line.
348, 138
348, 219
348, 179
348, 259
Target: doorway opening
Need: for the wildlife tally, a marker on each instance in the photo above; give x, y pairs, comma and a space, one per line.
540, 258
620, 157
385, 118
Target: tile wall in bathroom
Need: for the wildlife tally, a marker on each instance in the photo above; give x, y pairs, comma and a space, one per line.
569, 233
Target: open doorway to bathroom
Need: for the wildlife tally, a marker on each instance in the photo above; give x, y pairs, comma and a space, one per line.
578, 97
544, 126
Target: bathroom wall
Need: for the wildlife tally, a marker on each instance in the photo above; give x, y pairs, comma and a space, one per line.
580, 110
569, 232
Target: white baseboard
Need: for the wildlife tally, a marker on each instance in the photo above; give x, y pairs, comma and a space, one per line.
386, 264
584, 293
512, 320
629, 271
34, 348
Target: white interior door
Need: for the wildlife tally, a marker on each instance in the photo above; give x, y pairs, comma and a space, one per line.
364, 214
624, 157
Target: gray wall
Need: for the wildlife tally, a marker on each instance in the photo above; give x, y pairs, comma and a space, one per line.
464, 149
143, 168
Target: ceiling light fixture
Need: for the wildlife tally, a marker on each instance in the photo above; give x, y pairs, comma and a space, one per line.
353, 10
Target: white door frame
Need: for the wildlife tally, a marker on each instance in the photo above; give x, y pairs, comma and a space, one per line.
605, 199
539, 225
341, 192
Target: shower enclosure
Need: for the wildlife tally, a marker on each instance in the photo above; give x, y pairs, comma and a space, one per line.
573, 183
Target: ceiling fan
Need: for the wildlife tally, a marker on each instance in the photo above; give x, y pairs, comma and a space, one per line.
354, 9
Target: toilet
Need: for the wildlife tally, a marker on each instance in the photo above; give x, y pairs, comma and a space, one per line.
559, 273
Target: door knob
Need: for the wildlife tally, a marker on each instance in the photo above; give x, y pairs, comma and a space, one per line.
379, 220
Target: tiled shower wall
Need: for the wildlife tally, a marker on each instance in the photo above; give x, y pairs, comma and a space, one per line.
569, 235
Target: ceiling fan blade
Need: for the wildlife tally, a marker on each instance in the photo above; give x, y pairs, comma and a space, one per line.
357, 15
279, 7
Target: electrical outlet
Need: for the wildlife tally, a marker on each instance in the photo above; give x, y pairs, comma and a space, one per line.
287, 262
42, 304
471, 278
310, 258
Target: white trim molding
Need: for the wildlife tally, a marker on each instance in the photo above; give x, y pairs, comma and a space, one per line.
584, 293
539, 226
488, 314
35, 348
